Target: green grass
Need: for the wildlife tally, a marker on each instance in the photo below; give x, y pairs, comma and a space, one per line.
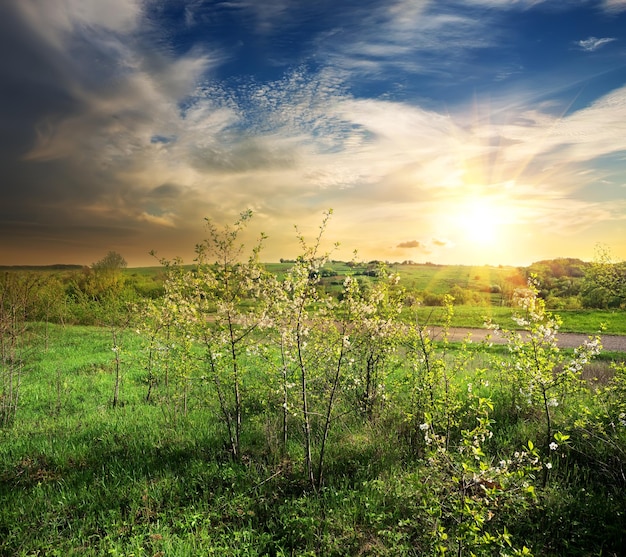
590, 321
437, 279
440, 278
574, 321
79, 477
463, 316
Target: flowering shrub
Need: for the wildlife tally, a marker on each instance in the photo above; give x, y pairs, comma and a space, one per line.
539, 373
472, 491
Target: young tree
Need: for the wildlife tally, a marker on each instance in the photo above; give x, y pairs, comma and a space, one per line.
374, 334
296, 318
209, 315
540, 374
17, 293
111, 262
170, 325
107, 275
109, 304
232, 304
606, 280
433, 391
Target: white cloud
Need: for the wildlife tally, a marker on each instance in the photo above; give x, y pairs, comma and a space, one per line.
408, 35
410, 244
593, 43
126, 114
268, 13
55, 19
538, 140
293, 147
506, 3
614, 6
166, 220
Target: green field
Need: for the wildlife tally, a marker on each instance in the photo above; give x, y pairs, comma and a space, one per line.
222, 410
440, 279
80, 477
574, 321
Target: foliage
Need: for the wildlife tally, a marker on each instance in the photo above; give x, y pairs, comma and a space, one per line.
111, 262
471, 492
17, 293
540, 374
605, 284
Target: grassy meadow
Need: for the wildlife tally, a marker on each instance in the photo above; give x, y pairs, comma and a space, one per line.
178, 427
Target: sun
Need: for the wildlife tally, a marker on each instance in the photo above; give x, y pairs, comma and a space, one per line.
479, 222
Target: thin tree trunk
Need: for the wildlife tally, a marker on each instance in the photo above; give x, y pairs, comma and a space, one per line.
308, 460
227, 417
236, 390
116, 390
328, 418
285, 394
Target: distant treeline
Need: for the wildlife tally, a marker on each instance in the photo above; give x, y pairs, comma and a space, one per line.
56, 267
85, 294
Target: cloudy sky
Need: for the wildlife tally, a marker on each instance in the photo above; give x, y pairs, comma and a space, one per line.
452, 131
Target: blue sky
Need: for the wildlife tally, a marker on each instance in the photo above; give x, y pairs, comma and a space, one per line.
468, 131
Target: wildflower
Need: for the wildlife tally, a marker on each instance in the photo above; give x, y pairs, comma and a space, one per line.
549, 465
521, 322
424, 427
554, 446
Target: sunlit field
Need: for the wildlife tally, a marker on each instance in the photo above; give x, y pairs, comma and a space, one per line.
308, 408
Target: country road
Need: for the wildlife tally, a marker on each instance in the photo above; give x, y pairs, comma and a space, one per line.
611, 343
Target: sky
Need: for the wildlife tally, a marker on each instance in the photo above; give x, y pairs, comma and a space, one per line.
451, 131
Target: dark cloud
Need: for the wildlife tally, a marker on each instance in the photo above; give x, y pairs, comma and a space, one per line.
410, 244
33, 83
166, 191
74, 110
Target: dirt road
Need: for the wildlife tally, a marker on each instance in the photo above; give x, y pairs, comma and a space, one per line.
611, 343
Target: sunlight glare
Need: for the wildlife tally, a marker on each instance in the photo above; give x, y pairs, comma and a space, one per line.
478, 222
